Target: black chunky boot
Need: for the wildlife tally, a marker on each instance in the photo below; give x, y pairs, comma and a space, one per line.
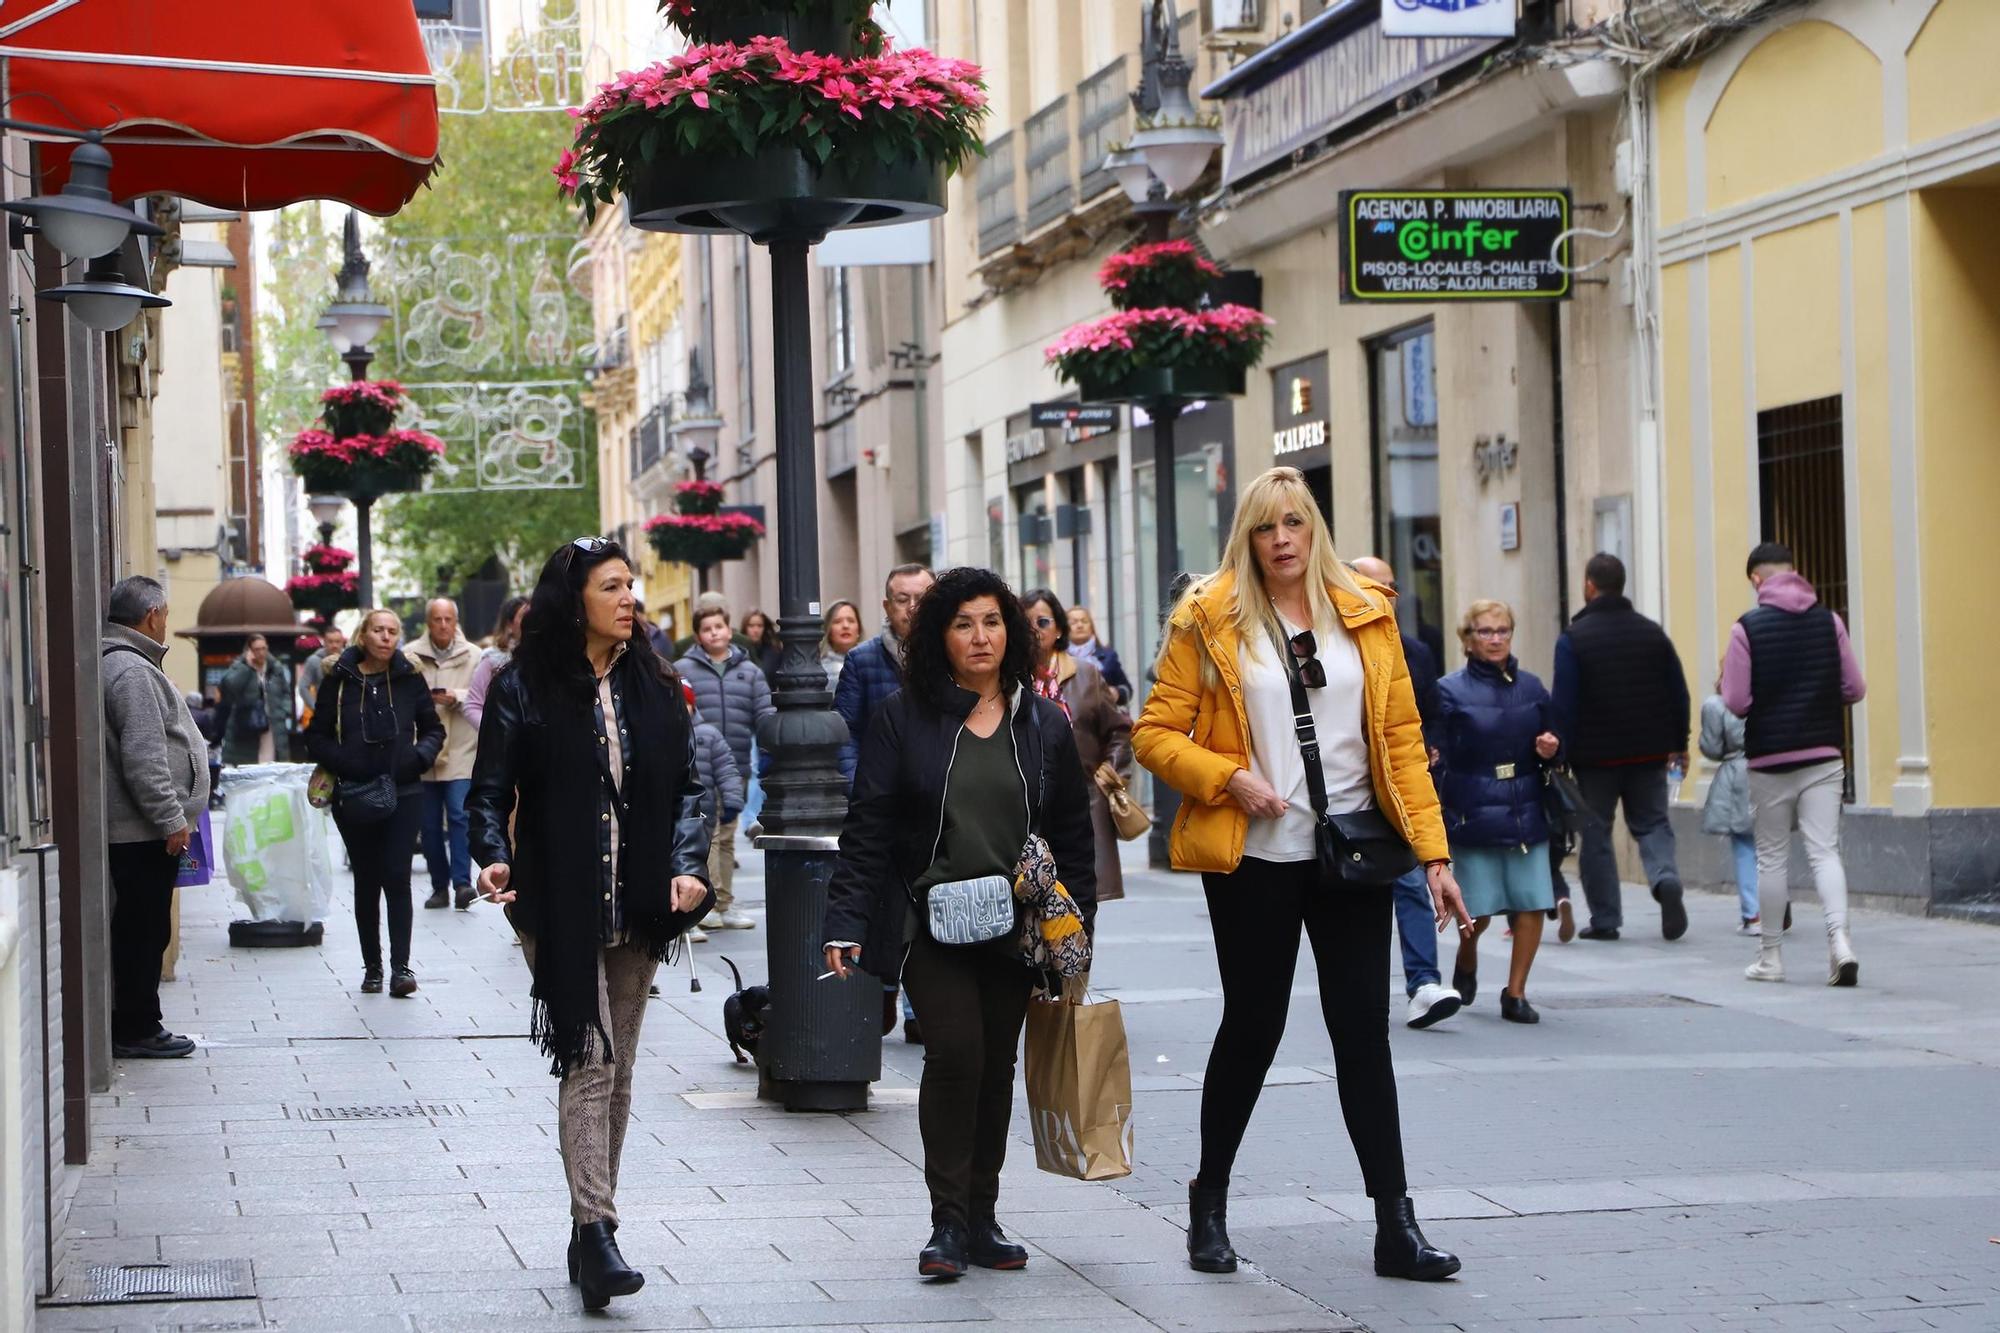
945, 1256
1208, 1230
600, 1270
989, 1247
572, 1254
1400, 1248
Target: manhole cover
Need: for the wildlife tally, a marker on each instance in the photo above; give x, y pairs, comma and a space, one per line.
1639, 1001
412, 1111
196, 1280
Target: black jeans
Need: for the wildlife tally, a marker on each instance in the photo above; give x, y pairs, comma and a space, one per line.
142, 885
1256, 912
1642, 790
972, 1002
379, 855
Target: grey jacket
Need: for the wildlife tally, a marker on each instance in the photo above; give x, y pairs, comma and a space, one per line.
732, 697
156, 762
1727, 810
721, 780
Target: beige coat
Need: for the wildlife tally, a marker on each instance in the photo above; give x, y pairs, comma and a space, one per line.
449, 670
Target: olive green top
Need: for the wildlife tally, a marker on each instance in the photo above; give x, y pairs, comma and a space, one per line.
985, 812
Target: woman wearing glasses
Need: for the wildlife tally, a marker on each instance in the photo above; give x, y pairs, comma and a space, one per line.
1103, 729
606, 864
1218, 728
1493, 733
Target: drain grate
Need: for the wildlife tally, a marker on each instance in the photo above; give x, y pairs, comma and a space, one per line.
196, 1280
1633, 1001
410, 1111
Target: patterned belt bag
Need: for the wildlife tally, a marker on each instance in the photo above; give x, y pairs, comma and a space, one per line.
970, 911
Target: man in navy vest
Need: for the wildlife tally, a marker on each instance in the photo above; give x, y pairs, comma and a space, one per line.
1790, 674
1623, 704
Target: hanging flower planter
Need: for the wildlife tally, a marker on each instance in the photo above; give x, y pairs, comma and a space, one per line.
324, 595
1141, 355
322, 559
751, 131
702, 539
363, 407
1167, 273
698, 497
1157, 385
364, 467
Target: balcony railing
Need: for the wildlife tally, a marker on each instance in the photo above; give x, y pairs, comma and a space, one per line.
649, 444
1103, 118
999, 215
1051, 192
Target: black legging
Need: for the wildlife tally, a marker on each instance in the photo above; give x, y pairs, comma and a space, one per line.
379, 854
1256, 913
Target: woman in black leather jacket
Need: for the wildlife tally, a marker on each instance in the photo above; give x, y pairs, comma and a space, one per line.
586, 742
955, 772
377, 718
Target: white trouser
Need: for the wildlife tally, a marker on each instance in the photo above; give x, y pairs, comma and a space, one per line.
1807, 799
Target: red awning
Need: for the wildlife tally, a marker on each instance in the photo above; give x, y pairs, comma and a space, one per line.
240, 104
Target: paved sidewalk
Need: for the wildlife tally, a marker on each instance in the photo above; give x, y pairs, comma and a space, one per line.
1673, 1148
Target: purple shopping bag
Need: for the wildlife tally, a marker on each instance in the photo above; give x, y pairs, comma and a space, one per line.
197, 862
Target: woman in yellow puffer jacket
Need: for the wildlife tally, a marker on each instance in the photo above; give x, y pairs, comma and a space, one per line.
1218, 728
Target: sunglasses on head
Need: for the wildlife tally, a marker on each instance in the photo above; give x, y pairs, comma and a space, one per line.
1305, 653
587, 545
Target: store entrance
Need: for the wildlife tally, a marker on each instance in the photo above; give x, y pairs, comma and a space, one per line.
1409, 533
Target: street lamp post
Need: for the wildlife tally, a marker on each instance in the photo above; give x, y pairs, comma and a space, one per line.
1167, 155
350, 324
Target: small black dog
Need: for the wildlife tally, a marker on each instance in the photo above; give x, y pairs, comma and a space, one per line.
743, 1015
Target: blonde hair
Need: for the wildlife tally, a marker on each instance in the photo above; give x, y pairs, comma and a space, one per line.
1267, 499
1088, 619
1485, 606
362, 628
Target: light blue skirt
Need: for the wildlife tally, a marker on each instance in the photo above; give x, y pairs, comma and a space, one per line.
1499, 880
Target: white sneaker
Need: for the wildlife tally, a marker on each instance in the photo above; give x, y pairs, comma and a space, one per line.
1432, 1004
1751, 926
734, 920
713, 921
696, 935
1770, 966
1842, 968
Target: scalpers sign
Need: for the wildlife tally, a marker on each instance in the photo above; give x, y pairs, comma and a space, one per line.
1355, 74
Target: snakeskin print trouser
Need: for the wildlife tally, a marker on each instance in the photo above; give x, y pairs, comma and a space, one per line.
595, 1103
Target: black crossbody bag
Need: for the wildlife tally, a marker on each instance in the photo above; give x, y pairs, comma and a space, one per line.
1361, 847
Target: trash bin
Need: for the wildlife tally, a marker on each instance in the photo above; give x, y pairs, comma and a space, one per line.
275, 851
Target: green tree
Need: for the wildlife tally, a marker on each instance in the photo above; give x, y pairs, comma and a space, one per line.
493, 183
294, 359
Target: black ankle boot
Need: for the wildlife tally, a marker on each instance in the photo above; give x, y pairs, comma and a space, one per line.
1208, 1230
945, 1256
988, 1247
572, 1254
600, 1270
1400, 1248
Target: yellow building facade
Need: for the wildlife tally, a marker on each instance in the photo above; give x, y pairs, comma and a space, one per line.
1829, 323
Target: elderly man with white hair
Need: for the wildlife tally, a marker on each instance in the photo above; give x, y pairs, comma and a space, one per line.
447, 659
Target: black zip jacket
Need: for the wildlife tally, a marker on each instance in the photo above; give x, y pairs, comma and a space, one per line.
392, 728
898, 802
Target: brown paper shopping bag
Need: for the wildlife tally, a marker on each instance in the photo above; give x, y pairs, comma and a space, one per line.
1080, 1089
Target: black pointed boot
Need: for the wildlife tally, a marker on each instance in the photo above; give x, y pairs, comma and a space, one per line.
1400, 1248
1208, 1230
600, 1270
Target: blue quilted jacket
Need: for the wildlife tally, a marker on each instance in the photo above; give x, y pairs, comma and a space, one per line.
1490, 779
871, 675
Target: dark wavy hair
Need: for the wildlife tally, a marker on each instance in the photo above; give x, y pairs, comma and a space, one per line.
1056, 610
550, 655
503, 625
926, 665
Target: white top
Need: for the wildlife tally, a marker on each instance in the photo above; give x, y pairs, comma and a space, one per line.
1338, 716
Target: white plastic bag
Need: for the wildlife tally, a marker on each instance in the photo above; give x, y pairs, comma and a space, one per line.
274, 843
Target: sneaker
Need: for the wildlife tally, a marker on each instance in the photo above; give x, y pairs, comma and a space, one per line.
1432, 1004
1673, 911
1566, 929
714, 921
734, 920
1598, 933
371, 981
1842, 968
439, 898
161, 1045
403, 983
696, 935
1770, 965
1751, 925
462, 897
654, 990
754, 832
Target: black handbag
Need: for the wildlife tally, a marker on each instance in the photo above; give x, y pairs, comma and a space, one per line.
362, 800
1360, 847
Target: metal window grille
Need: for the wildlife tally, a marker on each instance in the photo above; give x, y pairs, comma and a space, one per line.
1050, 192
1802, 492
999, 216
1103, 118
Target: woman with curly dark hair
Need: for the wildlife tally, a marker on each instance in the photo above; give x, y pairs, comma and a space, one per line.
605, 865
956, 771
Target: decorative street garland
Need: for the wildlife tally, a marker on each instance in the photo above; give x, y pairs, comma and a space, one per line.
729, 99
699, 534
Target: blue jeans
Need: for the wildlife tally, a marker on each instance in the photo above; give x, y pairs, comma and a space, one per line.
1745, 847
1416, 927
444, 815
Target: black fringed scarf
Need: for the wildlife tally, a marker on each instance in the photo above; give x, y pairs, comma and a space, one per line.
558, 863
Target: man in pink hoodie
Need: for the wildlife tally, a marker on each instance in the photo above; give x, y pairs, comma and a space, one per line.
1790, 674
